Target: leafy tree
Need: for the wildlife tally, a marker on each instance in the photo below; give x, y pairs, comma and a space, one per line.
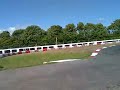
70, 33
100, 26
88, 29
80, 37
55, 30
5, 34
70, 28
18, 33
17, 38
80, 27
5, 39
115, 28
100, 32
115, 25
32, 35
54, 33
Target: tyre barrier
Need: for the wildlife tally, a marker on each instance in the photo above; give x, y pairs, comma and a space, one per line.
27, 51
15, 51
44, 49
19, 52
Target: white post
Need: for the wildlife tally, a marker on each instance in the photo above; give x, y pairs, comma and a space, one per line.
56, 40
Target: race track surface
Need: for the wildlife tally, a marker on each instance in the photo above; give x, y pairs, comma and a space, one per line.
100, 73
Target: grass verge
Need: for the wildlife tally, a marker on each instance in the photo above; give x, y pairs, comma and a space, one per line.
33, 59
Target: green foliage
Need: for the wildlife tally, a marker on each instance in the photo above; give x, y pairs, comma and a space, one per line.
54, 32
33, 35
80, 27
18, 33
5, 35
115, 25
70, 28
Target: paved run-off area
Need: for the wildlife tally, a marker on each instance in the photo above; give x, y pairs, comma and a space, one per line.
100, 73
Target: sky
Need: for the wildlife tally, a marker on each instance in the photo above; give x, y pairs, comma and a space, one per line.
15, 14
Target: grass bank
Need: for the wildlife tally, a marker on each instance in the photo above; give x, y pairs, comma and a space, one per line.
38, 58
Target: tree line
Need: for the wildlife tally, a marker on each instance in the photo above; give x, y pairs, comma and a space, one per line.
35, 36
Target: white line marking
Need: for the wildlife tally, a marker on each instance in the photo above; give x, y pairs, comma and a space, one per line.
65, 60
98, 50
94, 54
58, 61
104, 47
45, 62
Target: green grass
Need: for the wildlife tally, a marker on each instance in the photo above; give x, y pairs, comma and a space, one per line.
38, 58
33, 59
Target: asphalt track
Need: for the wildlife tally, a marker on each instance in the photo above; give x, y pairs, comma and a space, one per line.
100, 73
